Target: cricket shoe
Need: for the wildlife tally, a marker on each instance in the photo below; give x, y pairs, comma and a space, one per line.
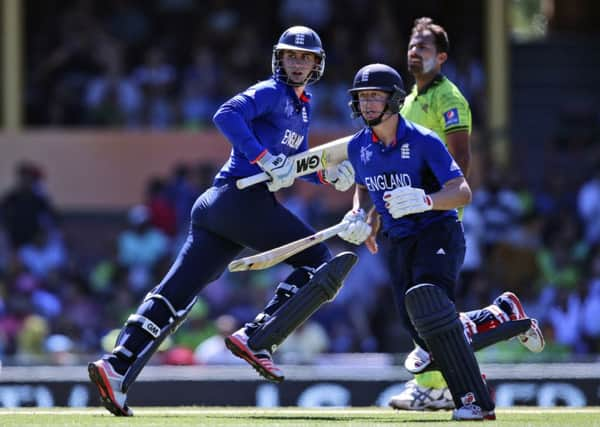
260, 360
472, 412
417, 398
417, 360
109, 382
532, 338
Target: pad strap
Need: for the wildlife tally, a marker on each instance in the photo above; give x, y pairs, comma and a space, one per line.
123, 351
145, 323
287, 288
158, 334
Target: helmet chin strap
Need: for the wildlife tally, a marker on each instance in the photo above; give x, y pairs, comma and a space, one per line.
290, 82
377, 120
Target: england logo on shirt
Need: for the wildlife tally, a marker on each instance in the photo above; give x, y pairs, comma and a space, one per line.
365, 155
405, 151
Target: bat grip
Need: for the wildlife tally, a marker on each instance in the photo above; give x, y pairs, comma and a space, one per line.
251, 180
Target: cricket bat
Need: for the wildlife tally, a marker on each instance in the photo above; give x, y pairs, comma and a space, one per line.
274, 256
309, 161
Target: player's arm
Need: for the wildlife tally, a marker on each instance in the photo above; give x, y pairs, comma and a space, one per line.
406, 200
460, 148
233, 119
374, 220
456, 121
454, 194
361, 199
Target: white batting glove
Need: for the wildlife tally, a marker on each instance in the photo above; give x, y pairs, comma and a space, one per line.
341, 176
358, 230
279, 168
406, 200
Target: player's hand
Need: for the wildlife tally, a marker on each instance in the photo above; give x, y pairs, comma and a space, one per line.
406, 200
374, 220
358, 230
341, 176
279, 168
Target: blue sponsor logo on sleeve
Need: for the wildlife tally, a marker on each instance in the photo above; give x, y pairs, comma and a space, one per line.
451, 117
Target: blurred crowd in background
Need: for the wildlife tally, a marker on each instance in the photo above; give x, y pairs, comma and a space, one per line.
169, 64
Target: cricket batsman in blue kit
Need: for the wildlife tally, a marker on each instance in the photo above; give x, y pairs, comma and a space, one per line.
265, 124
437, 104
407, 173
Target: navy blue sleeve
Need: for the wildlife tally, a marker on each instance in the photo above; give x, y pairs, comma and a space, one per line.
234, 118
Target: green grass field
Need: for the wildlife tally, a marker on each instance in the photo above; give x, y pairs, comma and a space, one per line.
195, 416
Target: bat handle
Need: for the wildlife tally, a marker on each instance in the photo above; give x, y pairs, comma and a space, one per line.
251, 180
336, 229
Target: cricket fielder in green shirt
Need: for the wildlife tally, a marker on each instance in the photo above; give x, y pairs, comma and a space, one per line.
434, 101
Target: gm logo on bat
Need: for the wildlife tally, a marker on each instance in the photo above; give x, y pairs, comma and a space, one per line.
311, 163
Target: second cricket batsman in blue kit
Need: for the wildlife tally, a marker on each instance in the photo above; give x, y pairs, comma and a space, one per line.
407, 173
437, 104
265, 124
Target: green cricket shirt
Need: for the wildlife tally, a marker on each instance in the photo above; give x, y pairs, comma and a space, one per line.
440, 107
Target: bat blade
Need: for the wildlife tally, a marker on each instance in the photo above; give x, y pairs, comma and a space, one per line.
274, 256
313, 160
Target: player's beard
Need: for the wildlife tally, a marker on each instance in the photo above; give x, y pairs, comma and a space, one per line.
425, 67
429, 65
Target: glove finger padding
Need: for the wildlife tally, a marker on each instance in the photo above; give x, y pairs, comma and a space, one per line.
341, 176
279, 168
276, 184
358, 231
407, 200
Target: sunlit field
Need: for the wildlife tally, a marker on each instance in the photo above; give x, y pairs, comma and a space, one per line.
236, 416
